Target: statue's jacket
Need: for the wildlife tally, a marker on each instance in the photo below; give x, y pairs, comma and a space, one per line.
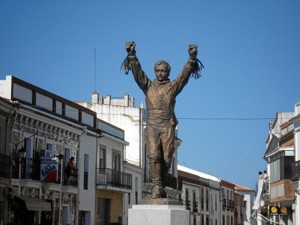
160, 96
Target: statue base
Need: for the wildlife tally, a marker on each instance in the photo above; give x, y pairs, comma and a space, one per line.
158, 211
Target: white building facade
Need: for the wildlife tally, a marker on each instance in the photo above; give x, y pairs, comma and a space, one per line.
46, 130
277, 200
113, 183
200, 193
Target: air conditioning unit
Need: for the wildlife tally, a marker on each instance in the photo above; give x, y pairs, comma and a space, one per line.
46, 154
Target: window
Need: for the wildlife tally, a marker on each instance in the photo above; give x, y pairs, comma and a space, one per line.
102, 157
187, 202
81, 218
202, 199
195, 205
207, 199
136, 190
116, 162
86, 172
216, 203
280, 166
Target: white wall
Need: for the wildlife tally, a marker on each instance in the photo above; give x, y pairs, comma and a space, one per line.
87, 197
128, 119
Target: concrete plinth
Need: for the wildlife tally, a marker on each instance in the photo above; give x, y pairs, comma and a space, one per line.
158, 215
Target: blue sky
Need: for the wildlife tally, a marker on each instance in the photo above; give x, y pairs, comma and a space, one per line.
250, 50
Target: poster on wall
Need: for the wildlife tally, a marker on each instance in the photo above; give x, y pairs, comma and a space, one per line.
49, 171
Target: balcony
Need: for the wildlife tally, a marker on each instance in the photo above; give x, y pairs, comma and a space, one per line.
5, 164
30, 169
187, 204
230, 205
224, 203
282, 190
195, 206
34, 169
111, 178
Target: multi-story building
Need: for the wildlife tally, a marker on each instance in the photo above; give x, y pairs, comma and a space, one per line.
239, 206
200, 193
296, 167
44, 131
277, 195
122, 113
113, 184
282, 169
227, 198
244, 199
6, 111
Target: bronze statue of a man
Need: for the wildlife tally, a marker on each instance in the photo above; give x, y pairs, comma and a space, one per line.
161, 120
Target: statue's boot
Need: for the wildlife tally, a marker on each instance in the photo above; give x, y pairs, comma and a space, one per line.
157, 190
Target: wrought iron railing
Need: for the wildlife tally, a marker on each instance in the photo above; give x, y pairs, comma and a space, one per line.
109, 177
230, 204
187, 204
72, 180
31, 169
195, 206
5, 164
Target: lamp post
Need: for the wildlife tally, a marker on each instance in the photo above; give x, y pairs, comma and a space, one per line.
60, 157
22, 155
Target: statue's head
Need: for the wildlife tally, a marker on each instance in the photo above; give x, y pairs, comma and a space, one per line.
162, 70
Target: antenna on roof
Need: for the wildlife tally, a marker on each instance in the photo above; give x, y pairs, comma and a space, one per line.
95, 69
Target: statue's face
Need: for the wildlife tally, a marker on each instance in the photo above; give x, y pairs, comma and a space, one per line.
161, 72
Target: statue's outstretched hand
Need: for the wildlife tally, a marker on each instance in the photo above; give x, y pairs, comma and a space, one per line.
197, 65
130, 47
193, 50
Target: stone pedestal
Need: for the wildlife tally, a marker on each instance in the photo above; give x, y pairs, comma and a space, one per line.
158, 212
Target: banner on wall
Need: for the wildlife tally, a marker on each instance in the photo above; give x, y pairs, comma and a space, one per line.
49, 171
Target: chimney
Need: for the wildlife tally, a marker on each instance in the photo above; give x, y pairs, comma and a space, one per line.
297, 109
95, 97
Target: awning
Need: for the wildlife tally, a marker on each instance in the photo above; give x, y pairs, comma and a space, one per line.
35, 204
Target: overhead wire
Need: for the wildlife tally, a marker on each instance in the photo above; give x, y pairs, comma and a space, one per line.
187, 118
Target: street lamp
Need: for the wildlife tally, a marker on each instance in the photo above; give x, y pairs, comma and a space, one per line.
22, 155
60, 157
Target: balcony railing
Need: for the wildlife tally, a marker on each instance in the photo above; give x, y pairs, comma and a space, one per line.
230, 204
224, 204
195, 206
187, 204
31, 169
72, 180
109, 177
5, 163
